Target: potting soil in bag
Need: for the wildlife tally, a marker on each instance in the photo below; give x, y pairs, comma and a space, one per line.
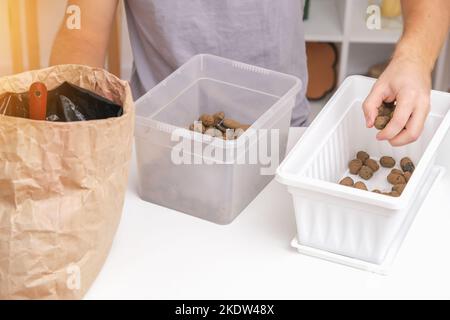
66, 103
62, 186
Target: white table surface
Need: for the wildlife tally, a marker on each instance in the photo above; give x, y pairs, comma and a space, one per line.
162, 254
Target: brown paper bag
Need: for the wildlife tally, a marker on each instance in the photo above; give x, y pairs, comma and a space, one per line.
62, 188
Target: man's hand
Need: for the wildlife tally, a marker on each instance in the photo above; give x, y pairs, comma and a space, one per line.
407, 80
89, 45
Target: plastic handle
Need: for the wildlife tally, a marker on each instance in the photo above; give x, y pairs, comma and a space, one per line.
38, 101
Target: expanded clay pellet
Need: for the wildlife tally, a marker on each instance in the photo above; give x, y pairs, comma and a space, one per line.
394, 194
218, 117
347, 182
354, 166
372, 164
207, 120
407, 175
366, 173
407, 165
395, 179
387, 162
383, 110
362, 155
233, 124
399, 188
385, 114
381, 122
360, 185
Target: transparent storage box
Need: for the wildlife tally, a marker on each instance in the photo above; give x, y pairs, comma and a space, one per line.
350, 222
207, 177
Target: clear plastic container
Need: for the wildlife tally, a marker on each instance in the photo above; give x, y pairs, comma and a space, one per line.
347, 221
218, 181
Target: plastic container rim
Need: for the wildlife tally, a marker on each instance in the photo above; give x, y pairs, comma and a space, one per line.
198, 137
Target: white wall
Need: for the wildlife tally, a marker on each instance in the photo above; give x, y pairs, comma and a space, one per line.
50, 17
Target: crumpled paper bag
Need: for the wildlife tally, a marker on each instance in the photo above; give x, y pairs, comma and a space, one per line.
62, 189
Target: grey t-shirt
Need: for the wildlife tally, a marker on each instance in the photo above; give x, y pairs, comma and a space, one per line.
267, 33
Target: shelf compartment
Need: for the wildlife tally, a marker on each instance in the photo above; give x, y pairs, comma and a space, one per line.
324, 22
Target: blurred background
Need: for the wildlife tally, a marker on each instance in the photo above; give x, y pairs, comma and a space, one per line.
28, 28
339, 43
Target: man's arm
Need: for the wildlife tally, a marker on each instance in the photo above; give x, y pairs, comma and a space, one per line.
89, 45
407, 78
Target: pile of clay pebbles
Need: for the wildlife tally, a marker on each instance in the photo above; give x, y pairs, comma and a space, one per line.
218, 126
385, 114
365, 168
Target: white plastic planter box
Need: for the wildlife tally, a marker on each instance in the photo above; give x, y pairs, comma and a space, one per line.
348, 222
212, 186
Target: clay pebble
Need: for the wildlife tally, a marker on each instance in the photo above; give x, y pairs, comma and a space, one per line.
362, 155
355, 166
399, 188
407, 165
372, 164
366, 173
387, 162
360, 185
207, 120
381, 122
347, 182
396, 179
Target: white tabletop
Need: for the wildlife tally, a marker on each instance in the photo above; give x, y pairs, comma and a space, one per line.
162, 254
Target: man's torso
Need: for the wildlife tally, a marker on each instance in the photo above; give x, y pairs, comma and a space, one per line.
166, 33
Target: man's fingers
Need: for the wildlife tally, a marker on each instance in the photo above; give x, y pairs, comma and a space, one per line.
414, 127
402, 113
378, 94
